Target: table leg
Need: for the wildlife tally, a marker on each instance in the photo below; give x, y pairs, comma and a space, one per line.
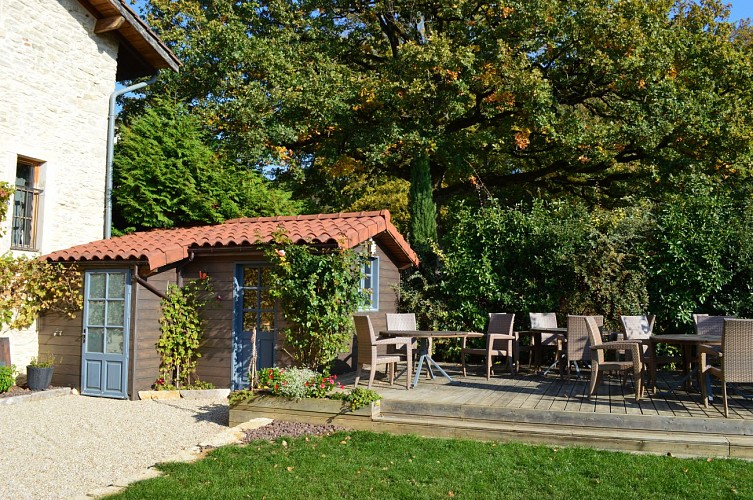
537, 350
687, 361
652, 366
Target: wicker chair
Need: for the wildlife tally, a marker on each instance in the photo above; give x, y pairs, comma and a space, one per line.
407, 321
578, 342
367, 351
709, 325
638, 328
548, 340
736, 358
500, 341
599, 365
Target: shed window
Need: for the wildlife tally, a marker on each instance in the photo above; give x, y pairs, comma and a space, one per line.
25, 206
370, 282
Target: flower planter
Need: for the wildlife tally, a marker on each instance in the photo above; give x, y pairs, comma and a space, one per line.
38, 378
185, 393
308, 410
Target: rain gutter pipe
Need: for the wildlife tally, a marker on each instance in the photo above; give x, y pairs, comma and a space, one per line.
111, 147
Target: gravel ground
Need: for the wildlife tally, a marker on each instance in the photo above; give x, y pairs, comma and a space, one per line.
279, 428
68, 446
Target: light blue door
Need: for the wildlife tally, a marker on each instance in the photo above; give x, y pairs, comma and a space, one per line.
254, 308
104, 359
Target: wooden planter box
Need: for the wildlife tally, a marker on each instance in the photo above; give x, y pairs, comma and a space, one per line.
308, 410
187, 394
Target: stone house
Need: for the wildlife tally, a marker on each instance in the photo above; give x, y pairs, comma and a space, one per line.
125, 278
59, 64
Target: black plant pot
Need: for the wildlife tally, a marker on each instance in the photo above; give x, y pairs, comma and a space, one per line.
38, 379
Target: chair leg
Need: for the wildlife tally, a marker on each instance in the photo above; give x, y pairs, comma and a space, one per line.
488, 366
705, 385
358, 375
724, 398
391, 369
462, 360
409, 371
637, 382
594, 379
371, 375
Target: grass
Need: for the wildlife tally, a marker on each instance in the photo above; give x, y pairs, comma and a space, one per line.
371, 465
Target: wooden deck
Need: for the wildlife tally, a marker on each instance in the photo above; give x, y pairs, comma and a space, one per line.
551, 392
549, 409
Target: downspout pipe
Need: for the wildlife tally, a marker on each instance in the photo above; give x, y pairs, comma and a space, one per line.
111, 148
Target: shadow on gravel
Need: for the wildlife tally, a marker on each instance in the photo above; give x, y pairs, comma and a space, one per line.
215, 412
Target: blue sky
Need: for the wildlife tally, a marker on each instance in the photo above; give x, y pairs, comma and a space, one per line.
741, 9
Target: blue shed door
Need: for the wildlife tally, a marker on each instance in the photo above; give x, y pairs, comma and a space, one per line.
254, 308
104, 358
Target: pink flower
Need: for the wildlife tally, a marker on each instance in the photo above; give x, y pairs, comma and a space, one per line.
321, 386
280, 252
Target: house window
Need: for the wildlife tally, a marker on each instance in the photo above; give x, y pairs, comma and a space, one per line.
370, 282
25, 206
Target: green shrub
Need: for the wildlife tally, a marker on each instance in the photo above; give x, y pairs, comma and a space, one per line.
7, 377
319, 290
357, 398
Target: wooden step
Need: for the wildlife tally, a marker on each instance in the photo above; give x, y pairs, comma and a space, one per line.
569, 419
656, 442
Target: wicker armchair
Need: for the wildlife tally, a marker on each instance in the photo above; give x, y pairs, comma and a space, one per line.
548, 340
578, 343
407, 321
599, 365
500, 341
367, 351
709, 325
736, 358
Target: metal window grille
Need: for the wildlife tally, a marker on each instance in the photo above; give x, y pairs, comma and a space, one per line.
25, 208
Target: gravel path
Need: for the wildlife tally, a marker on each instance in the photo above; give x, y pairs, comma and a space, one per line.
68, 446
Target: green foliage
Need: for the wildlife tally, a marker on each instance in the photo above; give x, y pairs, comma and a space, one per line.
181, 328
387, 194
43, 361
592, 97
423, 211
167, 174
380, 465
241, 396
357, 398
7, 377
551, 256
700, 254
318, 290
29, 287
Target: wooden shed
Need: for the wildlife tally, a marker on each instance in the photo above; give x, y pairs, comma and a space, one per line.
109, 350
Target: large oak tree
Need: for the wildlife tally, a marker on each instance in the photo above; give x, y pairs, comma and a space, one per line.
606, 96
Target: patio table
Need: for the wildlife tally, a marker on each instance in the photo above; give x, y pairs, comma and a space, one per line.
687, 342
423, 337
536, 334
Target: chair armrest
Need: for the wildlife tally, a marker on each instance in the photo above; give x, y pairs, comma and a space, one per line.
617, 344
710, 349
501, 336
394, 341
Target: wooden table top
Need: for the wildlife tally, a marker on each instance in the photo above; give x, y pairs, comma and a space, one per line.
685, 339
430, 334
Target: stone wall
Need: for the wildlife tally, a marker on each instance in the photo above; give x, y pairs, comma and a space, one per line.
56, 77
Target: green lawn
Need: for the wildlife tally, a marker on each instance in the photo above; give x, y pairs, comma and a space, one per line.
370, 465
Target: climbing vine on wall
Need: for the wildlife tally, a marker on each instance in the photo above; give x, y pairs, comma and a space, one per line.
181, 327
29, 287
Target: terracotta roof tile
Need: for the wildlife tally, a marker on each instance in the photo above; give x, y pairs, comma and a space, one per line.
162, 247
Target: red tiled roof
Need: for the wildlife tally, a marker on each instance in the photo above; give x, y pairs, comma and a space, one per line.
162, 247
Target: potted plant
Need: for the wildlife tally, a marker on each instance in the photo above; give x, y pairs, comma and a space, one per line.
39, 373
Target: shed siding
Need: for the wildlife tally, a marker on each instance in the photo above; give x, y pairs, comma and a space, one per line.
145, 332
60, 336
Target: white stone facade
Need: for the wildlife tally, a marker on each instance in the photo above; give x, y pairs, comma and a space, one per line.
56, 77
